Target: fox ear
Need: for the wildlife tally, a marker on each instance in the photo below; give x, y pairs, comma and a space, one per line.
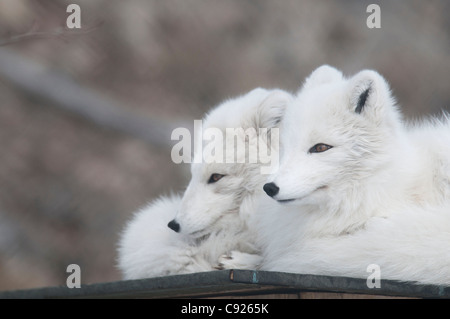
271, 110
369, 93
322, 75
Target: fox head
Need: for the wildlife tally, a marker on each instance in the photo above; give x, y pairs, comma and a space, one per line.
217, 190
336, 133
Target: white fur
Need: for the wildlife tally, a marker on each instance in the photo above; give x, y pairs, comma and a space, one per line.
214, 218
380, 196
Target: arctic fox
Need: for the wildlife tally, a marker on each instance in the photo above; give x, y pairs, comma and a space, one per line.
210, 223
358, 186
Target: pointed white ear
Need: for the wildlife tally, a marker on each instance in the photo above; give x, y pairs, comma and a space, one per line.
271, 110
369, 93
322, 75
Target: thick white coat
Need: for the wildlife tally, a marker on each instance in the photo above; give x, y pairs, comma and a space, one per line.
380, 195
214, 218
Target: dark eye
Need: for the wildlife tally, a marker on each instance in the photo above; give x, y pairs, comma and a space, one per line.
319, 148
214, 178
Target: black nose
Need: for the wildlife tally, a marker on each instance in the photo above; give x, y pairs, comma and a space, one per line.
174, 226
271, 189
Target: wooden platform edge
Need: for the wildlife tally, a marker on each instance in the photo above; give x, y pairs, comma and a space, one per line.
232, 283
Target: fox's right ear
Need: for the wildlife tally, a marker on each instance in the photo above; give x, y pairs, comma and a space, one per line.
322, 75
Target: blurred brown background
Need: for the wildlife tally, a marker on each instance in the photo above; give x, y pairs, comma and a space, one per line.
68, 184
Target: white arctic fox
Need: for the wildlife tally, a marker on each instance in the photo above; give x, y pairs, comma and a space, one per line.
210, 224
358, 186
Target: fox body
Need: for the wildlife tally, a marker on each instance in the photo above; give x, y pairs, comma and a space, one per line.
357, 185
210, 222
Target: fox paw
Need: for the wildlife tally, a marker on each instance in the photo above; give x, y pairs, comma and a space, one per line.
238, 260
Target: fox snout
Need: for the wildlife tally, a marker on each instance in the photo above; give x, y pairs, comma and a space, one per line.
271, 189
173, 224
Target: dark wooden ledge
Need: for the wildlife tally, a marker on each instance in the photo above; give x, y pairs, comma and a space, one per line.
238, 284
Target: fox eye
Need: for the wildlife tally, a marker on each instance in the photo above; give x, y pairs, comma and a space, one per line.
214, 178
319, 148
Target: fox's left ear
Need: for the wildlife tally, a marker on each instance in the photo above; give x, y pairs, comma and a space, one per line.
323, 75
272, 108
369, 93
